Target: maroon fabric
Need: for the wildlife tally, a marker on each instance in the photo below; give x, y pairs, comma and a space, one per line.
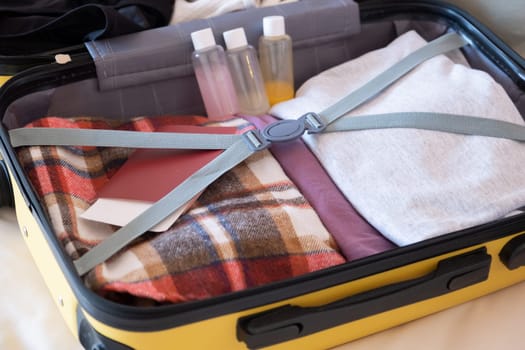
354, 235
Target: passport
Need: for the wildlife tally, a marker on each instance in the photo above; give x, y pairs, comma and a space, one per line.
147, 176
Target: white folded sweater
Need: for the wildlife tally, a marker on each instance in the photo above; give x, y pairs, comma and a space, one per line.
416, 184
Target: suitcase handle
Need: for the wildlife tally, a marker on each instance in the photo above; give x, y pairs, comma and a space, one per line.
289, 321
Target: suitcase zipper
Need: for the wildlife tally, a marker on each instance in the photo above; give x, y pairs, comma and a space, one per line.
11, 65
37, 78
59, 69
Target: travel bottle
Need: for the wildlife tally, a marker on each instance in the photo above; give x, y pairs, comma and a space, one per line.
275, 57
246, 73
213, 76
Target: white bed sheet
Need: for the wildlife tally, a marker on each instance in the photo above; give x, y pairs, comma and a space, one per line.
29, 319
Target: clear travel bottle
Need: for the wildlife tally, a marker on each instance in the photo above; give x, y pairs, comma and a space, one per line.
213, 76
246, 73
275, 57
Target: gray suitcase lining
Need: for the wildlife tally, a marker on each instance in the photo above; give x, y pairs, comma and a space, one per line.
138, 79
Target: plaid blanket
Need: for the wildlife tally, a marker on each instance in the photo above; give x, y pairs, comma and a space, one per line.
251, 227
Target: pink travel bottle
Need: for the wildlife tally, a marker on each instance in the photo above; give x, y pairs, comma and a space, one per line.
246, 73
213, 76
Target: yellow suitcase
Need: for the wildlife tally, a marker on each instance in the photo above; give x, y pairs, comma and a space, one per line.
318, 310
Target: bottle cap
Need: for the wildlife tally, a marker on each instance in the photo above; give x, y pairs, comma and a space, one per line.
203, 39
273, 26
235, 38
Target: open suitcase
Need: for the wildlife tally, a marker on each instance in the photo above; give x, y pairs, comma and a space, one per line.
316, 310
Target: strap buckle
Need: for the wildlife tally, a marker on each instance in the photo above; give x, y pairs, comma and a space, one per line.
291, 129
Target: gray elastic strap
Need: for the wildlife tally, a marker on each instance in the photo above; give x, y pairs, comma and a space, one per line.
452, 123
180, 195
118, 138
436, 47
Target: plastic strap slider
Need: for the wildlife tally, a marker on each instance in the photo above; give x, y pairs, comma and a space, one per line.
313, 123
255, 140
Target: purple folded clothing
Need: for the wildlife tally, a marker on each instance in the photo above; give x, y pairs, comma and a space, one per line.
354, 235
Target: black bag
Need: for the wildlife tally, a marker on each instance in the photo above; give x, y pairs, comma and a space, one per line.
37, 26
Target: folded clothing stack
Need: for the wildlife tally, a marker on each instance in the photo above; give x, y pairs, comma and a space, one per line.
250, 227
415, 184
